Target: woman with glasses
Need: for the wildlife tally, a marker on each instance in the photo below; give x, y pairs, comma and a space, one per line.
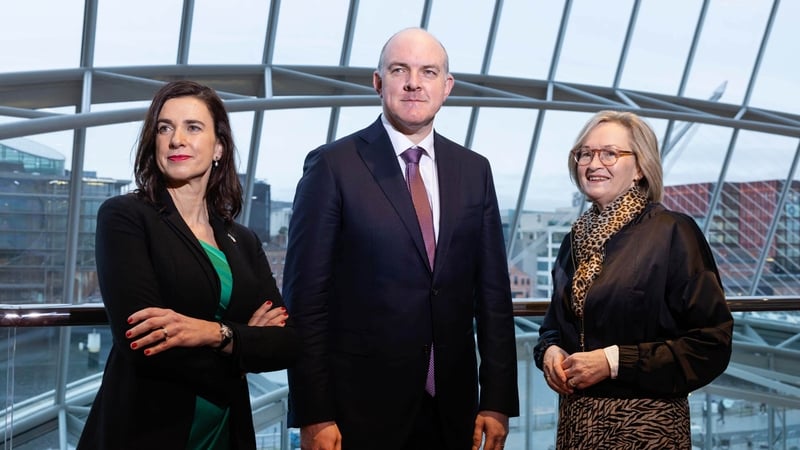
638, 317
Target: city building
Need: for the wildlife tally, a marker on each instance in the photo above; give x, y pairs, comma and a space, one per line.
260, 208
741, 231
34, 203
279, 220
752, 221
520, 283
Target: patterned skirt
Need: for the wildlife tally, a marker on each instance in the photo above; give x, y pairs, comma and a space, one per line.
618, 424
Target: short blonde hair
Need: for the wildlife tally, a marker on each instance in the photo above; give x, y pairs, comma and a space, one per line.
644, 146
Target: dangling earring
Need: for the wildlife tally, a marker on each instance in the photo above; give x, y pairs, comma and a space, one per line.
216, 163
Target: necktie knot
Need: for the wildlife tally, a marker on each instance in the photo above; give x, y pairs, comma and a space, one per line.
412, 155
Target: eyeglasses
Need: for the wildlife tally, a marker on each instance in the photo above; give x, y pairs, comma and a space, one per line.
609, 155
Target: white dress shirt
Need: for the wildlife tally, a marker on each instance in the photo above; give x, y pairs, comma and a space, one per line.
427, 166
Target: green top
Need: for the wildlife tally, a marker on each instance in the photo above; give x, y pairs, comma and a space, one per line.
225, 277
210, 425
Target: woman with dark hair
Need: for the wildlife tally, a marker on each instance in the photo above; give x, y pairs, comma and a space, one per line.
638, 317
189, 294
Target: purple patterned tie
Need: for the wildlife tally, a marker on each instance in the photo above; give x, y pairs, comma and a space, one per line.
420, 198
425, 217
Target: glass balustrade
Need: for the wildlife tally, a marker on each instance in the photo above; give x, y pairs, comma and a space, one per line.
53, 357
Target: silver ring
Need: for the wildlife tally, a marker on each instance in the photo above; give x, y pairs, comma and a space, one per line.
166, 335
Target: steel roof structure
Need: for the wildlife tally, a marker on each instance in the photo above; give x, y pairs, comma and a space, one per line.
716, 79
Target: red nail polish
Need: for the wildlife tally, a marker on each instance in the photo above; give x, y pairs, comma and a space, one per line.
283, 308
128, 334
147, 352
134, 345
130, 320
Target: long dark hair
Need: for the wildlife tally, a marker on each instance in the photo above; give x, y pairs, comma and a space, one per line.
224, 191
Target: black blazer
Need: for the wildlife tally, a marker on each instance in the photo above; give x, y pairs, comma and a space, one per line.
149, 257
367, 305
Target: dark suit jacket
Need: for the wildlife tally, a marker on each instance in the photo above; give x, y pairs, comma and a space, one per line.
147, 257
367, 304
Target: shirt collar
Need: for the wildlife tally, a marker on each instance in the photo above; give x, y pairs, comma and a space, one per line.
401, 142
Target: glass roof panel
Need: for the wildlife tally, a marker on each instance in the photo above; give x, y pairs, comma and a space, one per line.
660, 45
242, 129
310, 32
728, 47
550, 186
33, 39
593, 42
374, 27
355, 118
130, 34
226, 34
452, 122
761, 156
59, 141
698, 156
776, 86
463, 35
112, 161
504, 136
526, 38
288, 136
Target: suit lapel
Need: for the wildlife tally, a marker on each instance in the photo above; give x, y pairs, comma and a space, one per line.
173, 219
449, 172
378, 155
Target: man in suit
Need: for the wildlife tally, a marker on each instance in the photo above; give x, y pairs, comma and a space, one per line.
384, 287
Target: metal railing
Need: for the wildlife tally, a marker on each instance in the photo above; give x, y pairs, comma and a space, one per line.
49, 315
269, 408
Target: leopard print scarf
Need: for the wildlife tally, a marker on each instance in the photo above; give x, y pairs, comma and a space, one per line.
589, 235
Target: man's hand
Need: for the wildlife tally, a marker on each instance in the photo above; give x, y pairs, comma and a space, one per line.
321, 436
494, 426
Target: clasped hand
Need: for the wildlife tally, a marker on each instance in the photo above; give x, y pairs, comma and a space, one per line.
564, 372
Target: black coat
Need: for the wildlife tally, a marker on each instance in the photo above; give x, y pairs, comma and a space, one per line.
658, 297
147, 257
